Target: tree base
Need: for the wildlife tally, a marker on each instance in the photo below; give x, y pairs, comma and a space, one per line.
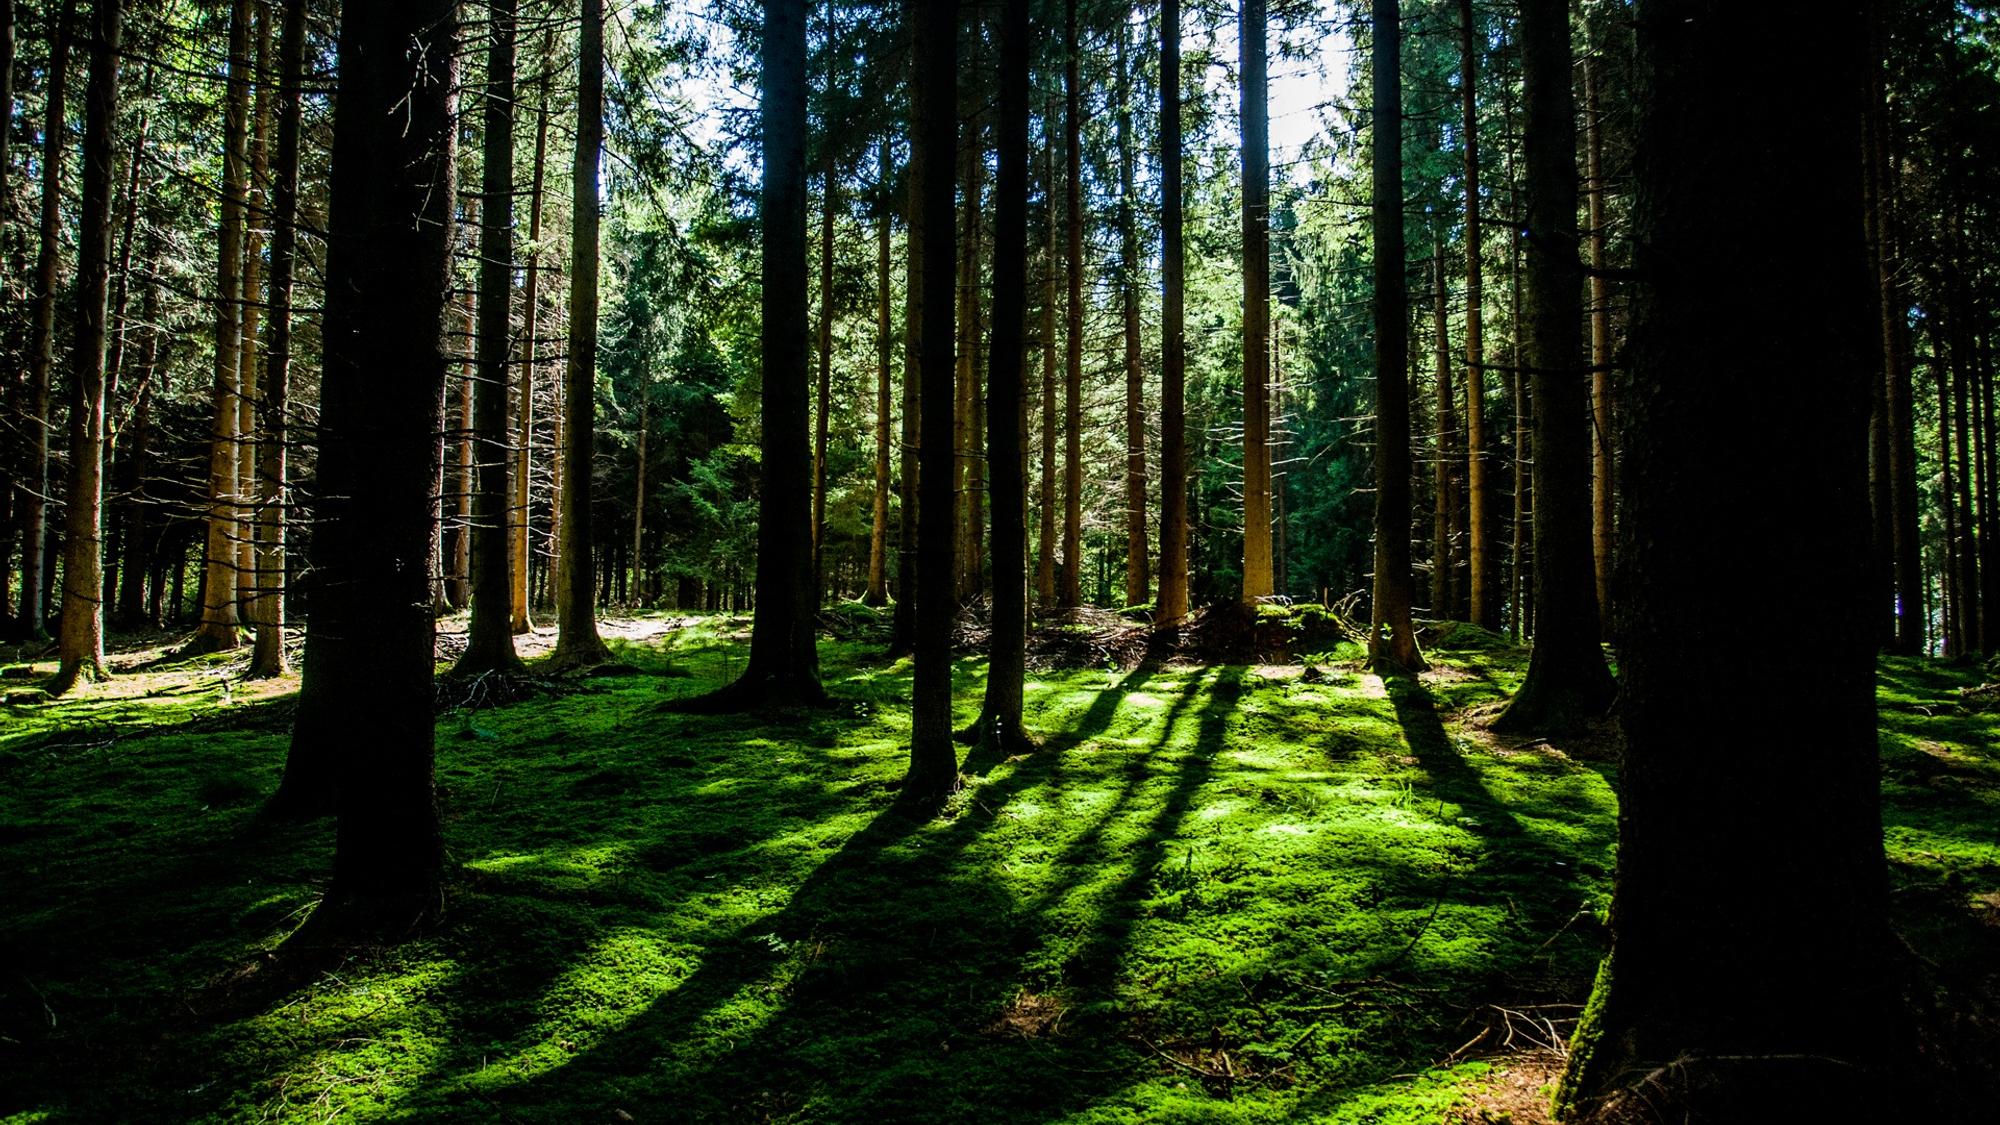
343, 922
209, 639
79, 672
1542, 708
297, 804
751, 694
577, 654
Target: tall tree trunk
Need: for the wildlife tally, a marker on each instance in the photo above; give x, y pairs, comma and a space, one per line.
933, 759
824, 403
524, 404
1749, 933
903, 627
1964, 550
1138, 580
219, 584
82, 643
971, 352
1392, 641
364, 720
267, 657
35, 576
1521, 587
256, 213
1444, 551
1479, 540
639, 494
577, 642
489, 640
1256, 303
1568, 681
878, 527
1899, 414
457, 535
1045, 552
1173, 606
6, 167
1007, 412
1602, 466
1070, 592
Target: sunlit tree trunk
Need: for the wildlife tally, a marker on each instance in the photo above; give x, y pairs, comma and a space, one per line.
1138, 580
35, 575
1392, 641
1602, 466
1444, 552
577, 642
256, 216
524, 404
933, 757
878, 528
823, 405
1173, 606
1256, 303
81, 649
1070, 588
1045, 553
1749, 978
902, 632
364, 727
1484, 598
1567, 680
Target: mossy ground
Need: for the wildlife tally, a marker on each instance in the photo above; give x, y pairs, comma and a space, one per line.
1234, 893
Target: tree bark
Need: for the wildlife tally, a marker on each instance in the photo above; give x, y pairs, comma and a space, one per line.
1007, 412
256, 212
1444, 523
1568, 681
577, 642
1070, 586
524, 404
1481, 570
1392, 641
1138, 578
878, 527
364, 722
1045, 553
1256, 303
81, 650
1603, 467
933, 757
1906, 539
1747, 976
489, 640
1173, 608
824, 404
30, 623
902, 631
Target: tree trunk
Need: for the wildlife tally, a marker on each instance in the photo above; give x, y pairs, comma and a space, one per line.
933, 758
6, 167
1045, 553
267, 657
878, 527
82, 643
1479, 540
1444, 550
219, 585
1007, 412
489, 640
1392, 642
1568, 681
824, 402
256, 211
970, 367
577, 642
1602, 465
1899, 414
364, 724
1070, 593
902, 631
35, 577
524, 403
1138, 579
1256, 304
1747, 976
639, 494
1173, 608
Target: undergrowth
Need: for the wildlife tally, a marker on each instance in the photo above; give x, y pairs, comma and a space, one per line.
1233, 893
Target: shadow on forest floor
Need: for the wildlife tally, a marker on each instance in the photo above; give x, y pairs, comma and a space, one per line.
1216, 893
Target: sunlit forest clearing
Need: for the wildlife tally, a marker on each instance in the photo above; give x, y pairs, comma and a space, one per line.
1235, 892
1417, 561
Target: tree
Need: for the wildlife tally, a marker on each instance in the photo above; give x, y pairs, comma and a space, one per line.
365, 710
903, 628
1481, 571
1007, 410
1444, 554
41, 349
82, 638
221, 576
1567, 680
1138, 582
524, 412
933, 757
1173, 606
577, 642
878, 524
1256, 303
1602, 467
267, 657
1069, 593
1746, 980
489, 641
1390, 612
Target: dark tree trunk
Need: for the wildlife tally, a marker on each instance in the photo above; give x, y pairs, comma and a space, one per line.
1069, 593
1747, 976
1007, 411
1484, 598
1045, 552
878, 527
1392, 641
524, 406
1444, 522
1603, 463
823, 404
903, 627
1568, 681
577, 642
30, 623
1173, 606
1899, 414
1256, 303
268, 654
82, 640
933, 757
489, 640
364, 722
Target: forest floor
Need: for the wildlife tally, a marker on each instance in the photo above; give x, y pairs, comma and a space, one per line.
1228, 893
